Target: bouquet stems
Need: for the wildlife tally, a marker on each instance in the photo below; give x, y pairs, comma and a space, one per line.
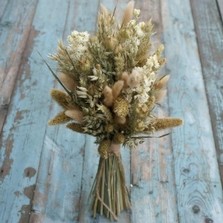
109, 192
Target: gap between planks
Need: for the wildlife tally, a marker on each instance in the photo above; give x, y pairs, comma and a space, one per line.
10, 68
209, 30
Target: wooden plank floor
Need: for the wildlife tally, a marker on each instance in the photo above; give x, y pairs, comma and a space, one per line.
46, 172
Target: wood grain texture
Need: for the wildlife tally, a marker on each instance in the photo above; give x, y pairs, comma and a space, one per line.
152, 176
72, 158
47, 172
220, 7
15, 26
24, 131
199, 191
3, 5
209, 31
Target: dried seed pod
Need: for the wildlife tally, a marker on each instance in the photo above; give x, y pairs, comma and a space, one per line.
117, 88
75, 127
109, 128
160, 95
134, 79
142, 110
162, 82
120, 120
128, 13
68, 81
60, 97
125, 77
121, 107
59, 119
108, 97
106, 111
151, 103
139, 127
110, 43
75, 114
164, 123
119, 138
103, 148
103, 10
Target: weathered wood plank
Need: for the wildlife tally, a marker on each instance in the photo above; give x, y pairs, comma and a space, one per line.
220, 6
24, 131
153, 191
199, 192
61, 176
15, 26
209, 30
74, 164
58, 186
3, 5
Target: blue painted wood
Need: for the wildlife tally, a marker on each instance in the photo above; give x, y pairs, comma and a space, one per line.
3, 5
209, 31
15, 26
220, 7
74, 164
50, 170
153, 192
24, 131
199, 191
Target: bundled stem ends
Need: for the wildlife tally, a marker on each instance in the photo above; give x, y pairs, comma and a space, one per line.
109, 192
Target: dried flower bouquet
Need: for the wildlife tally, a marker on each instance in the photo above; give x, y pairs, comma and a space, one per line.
111, 87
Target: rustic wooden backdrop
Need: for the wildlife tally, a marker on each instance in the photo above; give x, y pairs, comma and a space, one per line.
46, 172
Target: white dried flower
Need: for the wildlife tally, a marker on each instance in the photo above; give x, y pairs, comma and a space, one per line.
93, 78
139, 30
132, 23
136, 12
135, 77
78, 43
79, 36
155, 61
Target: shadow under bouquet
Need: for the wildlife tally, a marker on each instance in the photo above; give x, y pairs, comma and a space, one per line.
110, 87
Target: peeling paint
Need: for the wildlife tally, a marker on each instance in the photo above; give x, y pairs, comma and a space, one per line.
29, 172
25, 210
6, 166
19, 115
36, 218
29, 191
39, 198
17, 193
